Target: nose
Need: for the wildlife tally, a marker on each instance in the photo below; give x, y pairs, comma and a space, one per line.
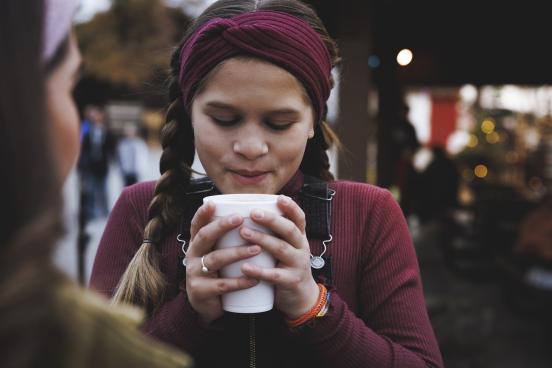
250, 145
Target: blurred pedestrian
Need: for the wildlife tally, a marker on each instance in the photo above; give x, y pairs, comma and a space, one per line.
535, 233
438, 186
86, 122
132, 155
46, 320
97, 151
530, 288
403, 146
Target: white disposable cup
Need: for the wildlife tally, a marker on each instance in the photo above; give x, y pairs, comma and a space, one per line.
259, 298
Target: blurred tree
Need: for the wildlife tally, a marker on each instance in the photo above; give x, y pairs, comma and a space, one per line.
129, 46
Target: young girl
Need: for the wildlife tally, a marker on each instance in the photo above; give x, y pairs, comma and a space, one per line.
249, 88
46, 320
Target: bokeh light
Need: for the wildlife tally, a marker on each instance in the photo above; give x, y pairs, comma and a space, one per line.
404, 57
480, 171
473, 141
488, 126
493, 137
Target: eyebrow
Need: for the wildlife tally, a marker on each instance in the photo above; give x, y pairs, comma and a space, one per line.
282, 111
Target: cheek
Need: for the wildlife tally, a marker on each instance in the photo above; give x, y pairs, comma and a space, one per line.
290, 151
65, 122
210, 145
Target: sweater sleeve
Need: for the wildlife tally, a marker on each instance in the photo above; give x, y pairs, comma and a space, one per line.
120, 240
393, 328
175, 322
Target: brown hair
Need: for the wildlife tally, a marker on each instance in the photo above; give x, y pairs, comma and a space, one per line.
142, 283
30, 214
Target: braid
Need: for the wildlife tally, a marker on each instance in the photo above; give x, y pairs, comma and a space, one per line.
315, 161
143, 282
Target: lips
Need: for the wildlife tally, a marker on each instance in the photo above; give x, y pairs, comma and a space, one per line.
247, 173
246, 177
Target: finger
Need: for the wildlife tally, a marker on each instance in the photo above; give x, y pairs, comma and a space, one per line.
206, 237
292, 211
220, 258
281, 226
206, 288
280, 249
201, 218
275, 276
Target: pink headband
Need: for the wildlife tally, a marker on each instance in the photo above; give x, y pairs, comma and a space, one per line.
279, 38
57, 24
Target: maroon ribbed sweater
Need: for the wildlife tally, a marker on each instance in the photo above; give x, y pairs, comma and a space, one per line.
377, 317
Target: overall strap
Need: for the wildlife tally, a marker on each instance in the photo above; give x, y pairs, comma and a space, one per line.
198, 189
316, 202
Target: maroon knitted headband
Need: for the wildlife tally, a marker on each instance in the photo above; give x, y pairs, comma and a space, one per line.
276, 37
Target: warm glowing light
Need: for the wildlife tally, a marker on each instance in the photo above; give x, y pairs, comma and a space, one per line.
488, 126
473, 141
480, 171
512, 157
466, 195
493, 137
404, 57
535, 183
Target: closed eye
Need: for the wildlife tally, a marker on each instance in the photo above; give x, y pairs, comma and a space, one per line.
278, 125
224, 121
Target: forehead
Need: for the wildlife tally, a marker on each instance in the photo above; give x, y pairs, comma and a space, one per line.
244, 77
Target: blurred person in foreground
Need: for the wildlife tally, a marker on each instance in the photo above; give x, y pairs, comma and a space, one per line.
45, 319
249, 87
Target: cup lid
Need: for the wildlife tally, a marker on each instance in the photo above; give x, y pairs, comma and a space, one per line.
242, 204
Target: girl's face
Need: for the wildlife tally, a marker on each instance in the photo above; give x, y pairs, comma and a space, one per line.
251, 124
61, 110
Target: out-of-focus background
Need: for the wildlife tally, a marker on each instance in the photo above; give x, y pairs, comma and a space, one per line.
446, 104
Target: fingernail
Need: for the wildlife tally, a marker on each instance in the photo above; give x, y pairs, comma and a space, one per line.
246, 232
257, 214
253, 282
253, 249
234, 220
285, 200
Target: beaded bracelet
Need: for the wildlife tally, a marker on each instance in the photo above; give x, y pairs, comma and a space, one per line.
319, 309
326, 306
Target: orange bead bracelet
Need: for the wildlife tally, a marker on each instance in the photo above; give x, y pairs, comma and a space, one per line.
314, 311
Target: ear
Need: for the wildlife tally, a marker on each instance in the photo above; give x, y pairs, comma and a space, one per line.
311, 133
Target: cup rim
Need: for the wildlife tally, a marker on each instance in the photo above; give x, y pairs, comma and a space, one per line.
242, 198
